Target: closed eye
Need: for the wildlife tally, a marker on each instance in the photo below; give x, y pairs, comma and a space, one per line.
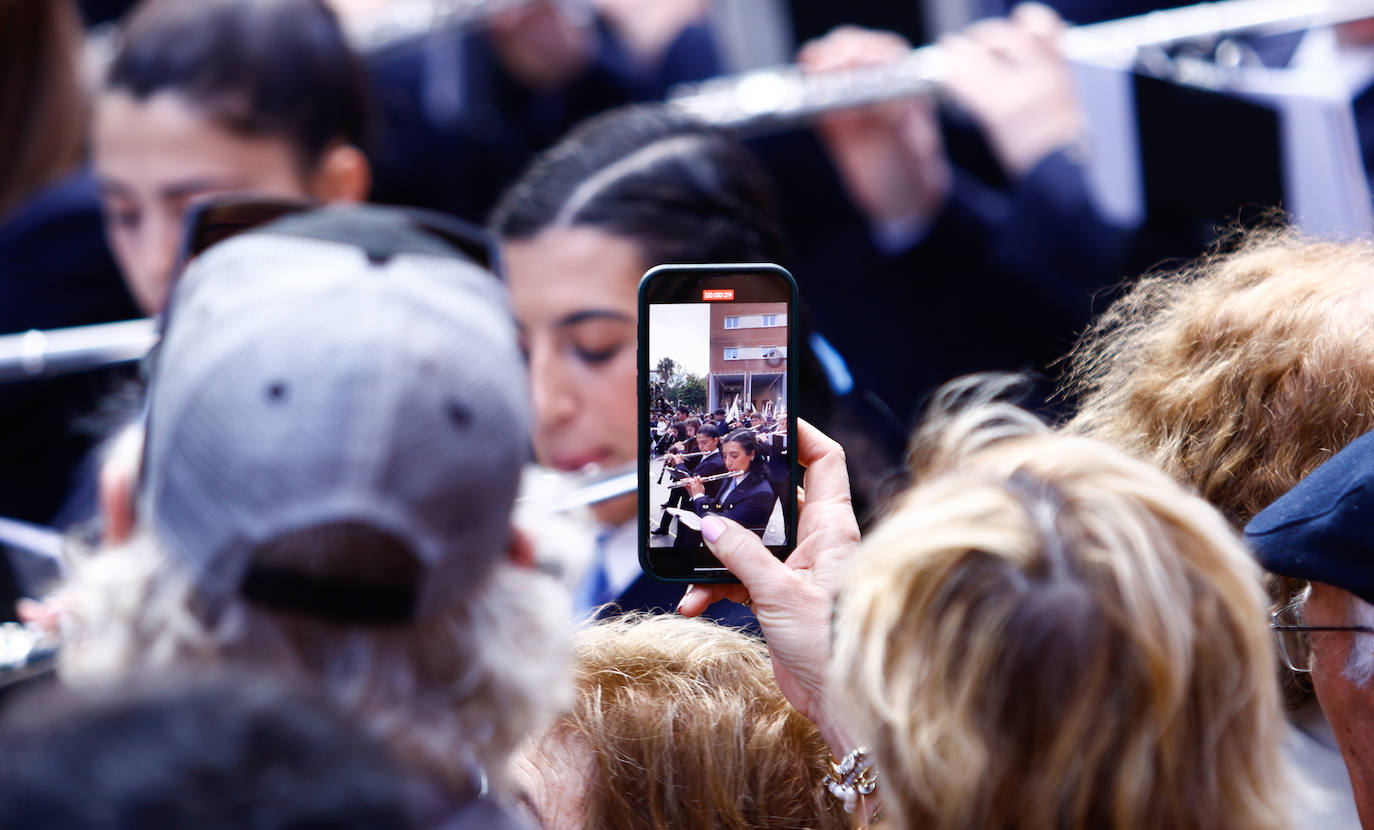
596, 356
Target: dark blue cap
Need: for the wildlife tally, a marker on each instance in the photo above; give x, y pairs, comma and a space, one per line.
1323, 529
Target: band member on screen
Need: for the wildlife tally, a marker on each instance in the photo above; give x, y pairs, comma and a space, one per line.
675, 436
708, 464
748, 499
778, 463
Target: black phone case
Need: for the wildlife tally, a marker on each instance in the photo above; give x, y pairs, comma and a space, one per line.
643, 402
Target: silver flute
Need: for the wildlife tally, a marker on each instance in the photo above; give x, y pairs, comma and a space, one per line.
29, 650
774, 98
25, 651
35, 354
691, 454
686, 481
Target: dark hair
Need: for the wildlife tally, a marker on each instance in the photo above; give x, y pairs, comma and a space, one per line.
42, 109
709, 431
339, 572
280, 68
682, 191
193, 754
750, 444
720, 412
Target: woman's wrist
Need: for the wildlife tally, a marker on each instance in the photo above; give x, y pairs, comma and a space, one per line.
833, 726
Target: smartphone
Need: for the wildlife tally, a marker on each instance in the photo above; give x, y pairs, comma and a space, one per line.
717, 412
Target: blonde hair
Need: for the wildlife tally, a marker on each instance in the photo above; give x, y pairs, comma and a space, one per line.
453, 694
1240, 374
687, 728
1046, 633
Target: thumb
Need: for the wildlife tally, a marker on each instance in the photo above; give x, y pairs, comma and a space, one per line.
743, 552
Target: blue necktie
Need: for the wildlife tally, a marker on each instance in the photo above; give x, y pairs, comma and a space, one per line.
595, 589
729, 488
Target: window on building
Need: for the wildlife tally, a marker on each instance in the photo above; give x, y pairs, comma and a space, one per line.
770, 320
732, 322
731, 352
768, 351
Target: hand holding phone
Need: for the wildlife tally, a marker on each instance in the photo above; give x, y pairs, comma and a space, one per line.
794, 600
714, 346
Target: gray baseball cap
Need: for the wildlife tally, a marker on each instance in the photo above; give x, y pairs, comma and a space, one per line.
322, 371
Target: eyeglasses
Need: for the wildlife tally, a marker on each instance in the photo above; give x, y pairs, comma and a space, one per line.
218, 218
1294, 643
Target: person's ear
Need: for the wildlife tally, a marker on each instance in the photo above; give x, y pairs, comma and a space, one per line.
116, 484
343, 175
521, 550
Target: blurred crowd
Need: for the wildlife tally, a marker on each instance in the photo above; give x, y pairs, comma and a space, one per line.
1081, 538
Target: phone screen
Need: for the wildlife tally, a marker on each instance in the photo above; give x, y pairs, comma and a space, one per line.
717, 385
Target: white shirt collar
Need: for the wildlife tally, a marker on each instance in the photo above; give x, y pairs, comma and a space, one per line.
622, 556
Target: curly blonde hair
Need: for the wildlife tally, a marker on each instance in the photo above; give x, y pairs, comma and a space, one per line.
1240, 374
1046, 633
683, 726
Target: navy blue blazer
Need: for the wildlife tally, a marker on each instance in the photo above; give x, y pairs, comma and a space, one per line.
454, 128
712, 465
750, 503
649, 595
1003, 278
55, 271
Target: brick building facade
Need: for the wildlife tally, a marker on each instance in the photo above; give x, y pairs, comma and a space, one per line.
748, 343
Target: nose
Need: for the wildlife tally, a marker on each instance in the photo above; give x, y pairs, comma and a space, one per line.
555, 397
150, 270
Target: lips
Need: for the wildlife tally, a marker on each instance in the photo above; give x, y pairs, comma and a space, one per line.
573, 463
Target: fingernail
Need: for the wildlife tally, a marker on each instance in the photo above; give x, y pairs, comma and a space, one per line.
712, 527
685, 595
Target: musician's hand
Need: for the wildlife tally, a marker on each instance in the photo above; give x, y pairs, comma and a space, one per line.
46, 614
1012, 77
890, 156
674, 459
1356, 32
117, 483
695, 487
793, 600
